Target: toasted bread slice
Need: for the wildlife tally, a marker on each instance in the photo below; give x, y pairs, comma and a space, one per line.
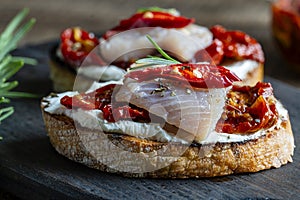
273, 149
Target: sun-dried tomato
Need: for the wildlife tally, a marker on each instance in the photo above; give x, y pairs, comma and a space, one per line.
149, 19
101, 99
235, 45
197, 75
76, 44
248, 109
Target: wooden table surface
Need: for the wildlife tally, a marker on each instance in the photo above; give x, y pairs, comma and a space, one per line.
27, 161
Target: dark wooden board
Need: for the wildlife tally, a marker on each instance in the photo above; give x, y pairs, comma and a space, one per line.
31, 169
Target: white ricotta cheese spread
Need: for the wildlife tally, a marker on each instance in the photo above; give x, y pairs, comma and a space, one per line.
102, 73
242, 68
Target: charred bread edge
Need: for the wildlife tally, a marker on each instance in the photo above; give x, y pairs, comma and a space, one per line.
61, 74
54, 58
269, 151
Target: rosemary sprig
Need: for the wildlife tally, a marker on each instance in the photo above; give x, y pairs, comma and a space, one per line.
162, 52
9, 65
154, 60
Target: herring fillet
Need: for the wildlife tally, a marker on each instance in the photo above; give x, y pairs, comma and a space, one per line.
192, 110
182, 42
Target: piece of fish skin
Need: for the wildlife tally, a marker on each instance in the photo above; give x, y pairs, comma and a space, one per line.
193, 110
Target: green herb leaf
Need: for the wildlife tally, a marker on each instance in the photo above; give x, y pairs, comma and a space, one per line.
14, 23
6, 112
153, 60
28, 61
8, 86
156, 60
162, 52
171, 11
4, 100
10, 65
19, 94
11, 42
10, 69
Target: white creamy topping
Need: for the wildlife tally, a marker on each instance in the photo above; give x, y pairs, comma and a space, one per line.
97, 85
93, 120
53, 102
103, 73
242, 68
100, 73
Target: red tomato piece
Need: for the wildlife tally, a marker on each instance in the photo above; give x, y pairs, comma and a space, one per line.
248, 109
197, 75
235, 45
149, 19
101, 100
76, 44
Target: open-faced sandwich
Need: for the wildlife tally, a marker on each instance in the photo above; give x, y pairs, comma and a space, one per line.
119, 47
167, 119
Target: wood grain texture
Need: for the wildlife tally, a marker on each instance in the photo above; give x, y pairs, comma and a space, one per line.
31, 169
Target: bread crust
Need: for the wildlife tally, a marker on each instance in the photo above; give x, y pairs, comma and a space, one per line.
271, 150
63, 75
63, 78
